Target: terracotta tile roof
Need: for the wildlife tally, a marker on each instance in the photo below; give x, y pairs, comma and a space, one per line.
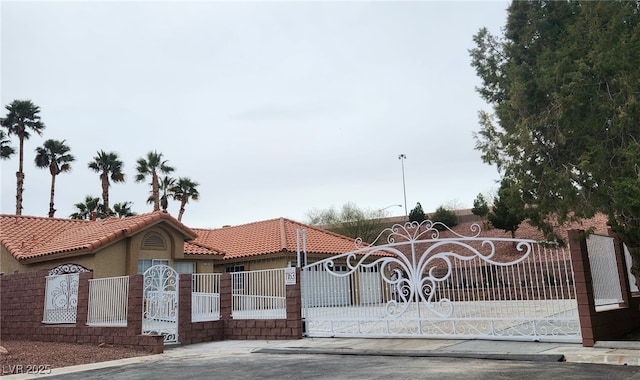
270, 236
192, 248
27, 237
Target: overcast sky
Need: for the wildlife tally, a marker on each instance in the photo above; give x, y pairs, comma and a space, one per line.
274, 108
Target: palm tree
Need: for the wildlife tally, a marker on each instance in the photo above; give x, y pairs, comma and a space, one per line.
164, 187
109, 167
54, 154
88, 207
184, 190
22, 118
151, 166
123, 209
6, 151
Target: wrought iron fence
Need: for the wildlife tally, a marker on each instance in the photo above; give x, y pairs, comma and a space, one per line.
61, 298
422, 284
160, 302
108, 301
205, 297
259, 294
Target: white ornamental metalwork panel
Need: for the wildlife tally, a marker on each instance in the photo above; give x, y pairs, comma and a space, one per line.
61, 298
428, 280
160, 302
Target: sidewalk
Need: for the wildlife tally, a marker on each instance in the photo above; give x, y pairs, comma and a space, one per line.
617, 353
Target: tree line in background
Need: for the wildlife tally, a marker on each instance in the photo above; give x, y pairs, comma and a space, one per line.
366, 224
23, 119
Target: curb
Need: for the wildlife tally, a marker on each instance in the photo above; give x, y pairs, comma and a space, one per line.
420, 354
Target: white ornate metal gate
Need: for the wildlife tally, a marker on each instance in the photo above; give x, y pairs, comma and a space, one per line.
429, 281
160, 302
61, 298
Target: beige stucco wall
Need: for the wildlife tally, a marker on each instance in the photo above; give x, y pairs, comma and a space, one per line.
110, 261
272, 261
9, 265
204, 266
118, 259
253, 263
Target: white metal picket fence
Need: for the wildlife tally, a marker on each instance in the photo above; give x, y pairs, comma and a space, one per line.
607, 292
108, 301
419, 284
259, 294
61, 298
205, 297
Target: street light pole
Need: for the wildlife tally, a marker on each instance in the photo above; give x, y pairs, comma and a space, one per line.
384, 208
403, 157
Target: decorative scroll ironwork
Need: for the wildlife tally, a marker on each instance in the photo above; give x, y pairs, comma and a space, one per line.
67, 268
160, 302
431, 279
413, 277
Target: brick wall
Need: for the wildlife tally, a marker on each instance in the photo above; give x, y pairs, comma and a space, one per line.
602, 325
262, 329
194, 332
22, 299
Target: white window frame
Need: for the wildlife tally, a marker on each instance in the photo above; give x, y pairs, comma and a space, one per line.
178, 264
144, 264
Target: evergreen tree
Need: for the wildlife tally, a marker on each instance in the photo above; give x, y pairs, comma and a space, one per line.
445, 216
480, 207
417, 214
507, 212
562, 80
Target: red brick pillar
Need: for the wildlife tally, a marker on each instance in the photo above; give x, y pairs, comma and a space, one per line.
622, 268
225, 307
39, 285
184, 309
584, 285
225, 297
134, 317
82, 309
294, 308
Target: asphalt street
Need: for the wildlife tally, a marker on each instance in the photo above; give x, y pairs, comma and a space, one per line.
244, 366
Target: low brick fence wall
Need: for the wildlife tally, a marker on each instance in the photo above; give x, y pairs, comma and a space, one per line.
607, 324
262, 329
22, 298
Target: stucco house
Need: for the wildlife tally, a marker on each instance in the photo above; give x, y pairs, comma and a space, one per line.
108, 247
268, 244
126, 246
